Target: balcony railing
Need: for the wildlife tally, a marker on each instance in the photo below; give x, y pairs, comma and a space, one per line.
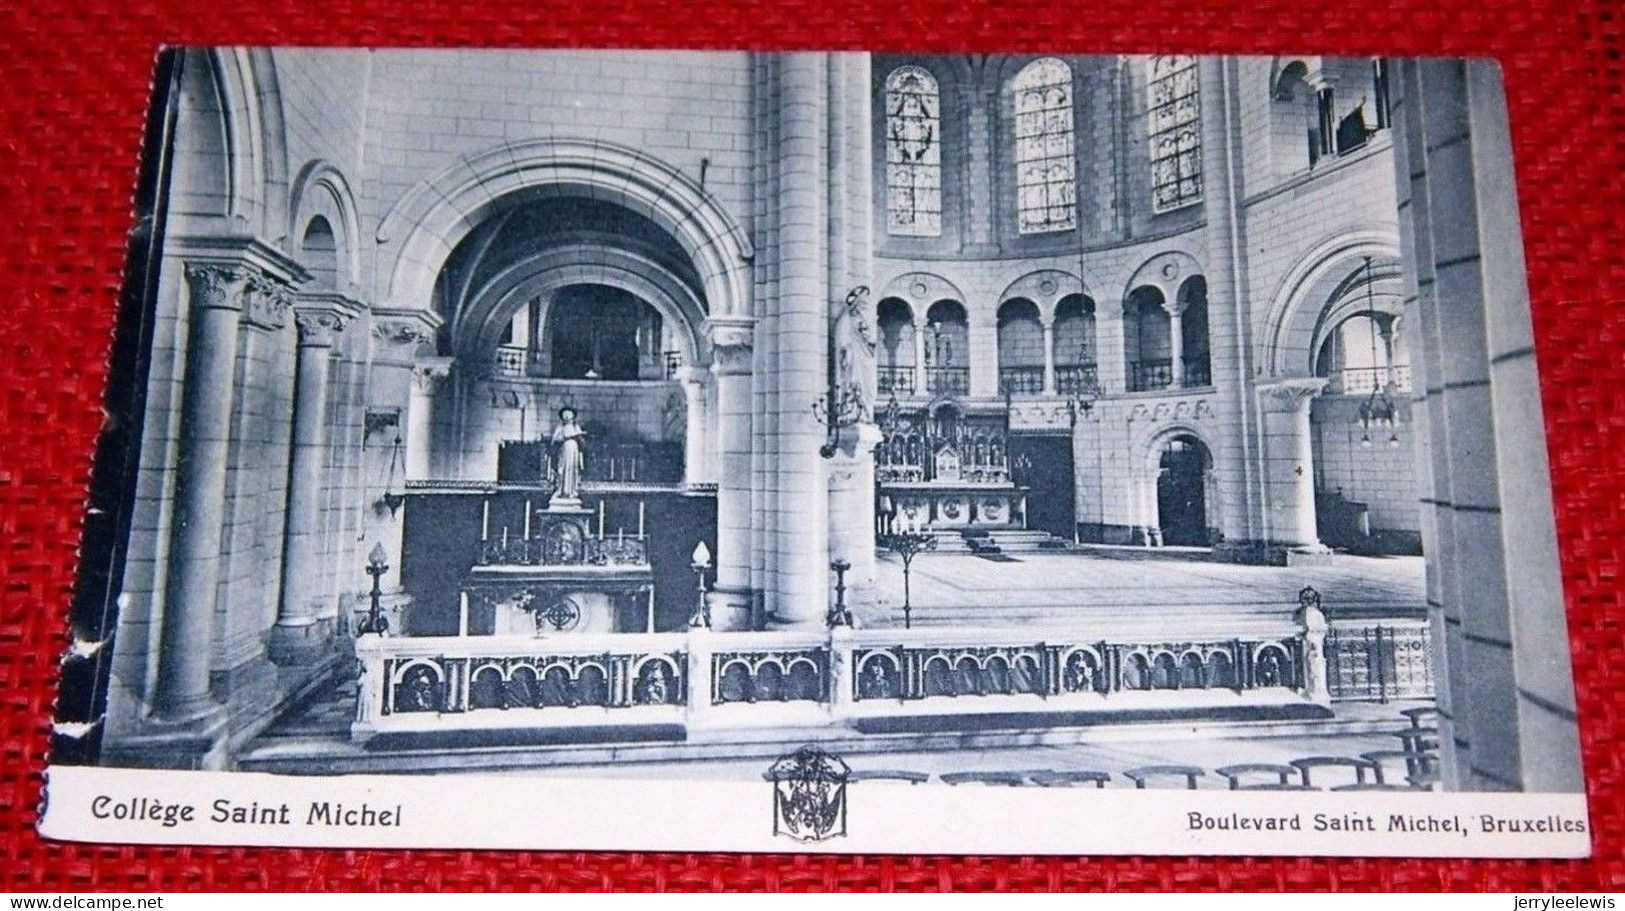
1073, 379
585, 679
1363, 380
508, 360
1021, 380
895, 379
1198, 373
1147, 375
947, 380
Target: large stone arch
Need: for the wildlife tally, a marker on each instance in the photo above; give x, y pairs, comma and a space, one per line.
476, 327
321, 189
427, 223
1297, 308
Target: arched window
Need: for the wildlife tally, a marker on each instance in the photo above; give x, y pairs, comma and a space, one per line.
1046, 185
1149, 340
1365, 353
1021, 348
947, 349
1075, 368
913, 153
602, 333
1174, 118
1194, 348
896, 360
320, 254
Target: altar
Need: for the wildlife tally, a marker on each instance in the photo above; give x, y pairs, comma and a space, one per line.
948, 467
558, 575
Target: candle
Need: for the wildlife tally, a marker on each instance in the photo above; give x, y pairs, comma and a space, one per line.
504, 537
527, 519
462, 614
485, 522
640, 518
600, 518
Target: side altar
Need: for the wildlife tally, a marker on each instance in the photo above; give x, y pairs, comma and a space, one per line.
947, 466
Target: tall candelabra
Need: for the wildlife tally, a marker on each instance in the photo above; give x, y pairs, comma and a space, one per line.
377, 565
908, 541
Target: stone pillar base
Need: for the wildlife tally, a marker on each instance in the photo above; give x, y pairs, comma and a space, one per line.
730, 609
198, 743
300, 645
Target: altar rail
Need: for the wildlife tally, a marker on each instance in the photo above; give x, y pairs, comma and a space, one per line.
711, 679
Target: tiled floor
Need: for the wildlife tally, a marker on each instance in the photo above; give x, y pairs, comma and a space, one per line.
967, 590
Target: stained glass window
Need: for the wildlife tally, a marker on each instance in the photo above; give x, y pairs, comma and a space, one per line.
913, 153
1174, 118
1046, 184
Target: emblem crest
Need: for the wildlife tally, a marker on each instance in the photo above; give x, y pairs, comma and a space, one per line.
809, 795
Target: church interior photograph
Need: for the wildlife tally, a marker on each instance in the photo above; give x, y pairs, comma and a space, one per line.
1091, 420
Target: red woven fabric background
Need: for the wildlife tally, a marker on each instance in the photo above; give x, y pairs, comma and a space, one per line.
73, 92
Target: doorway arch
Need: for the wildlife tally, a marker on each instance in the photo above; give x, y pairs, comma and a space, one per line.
1184, 467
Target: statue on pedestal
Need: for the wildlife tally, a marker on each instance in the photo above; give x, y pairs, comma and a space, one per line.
568, 458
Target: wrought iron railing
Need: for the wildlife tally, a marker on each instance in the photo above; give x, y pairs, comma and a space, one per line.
895, 379
509, 360
1021, 380
779, 671
1363, 380
1198, 373
947, 380
1368, 661
1072, 379
1144, 376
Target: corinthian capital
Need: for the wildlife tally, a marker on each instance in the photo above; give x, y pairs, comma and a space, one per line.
216, 286
731, 341
399, 333
1292, 394
320, 327
429, 372
268, 302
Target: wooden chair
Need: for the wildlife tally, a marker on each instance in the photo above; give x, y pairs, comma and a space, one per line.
1422, 716
1067, 779
1235, 773
1421, 768
1361, 767
889, 775
1143, 774
1419, 740
1013, 779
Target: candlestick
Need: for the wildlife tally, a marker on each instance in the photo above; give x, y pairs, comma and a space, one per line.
485, 522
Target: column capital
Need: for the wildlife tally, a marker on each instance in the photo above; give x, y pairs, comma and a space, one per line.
1293, 393
732, 338
429, 372
267, 302
217, 286
399, 333
319, 325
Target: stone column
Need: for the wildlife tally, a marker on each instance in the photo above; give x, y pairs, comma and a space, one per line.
1230, 345
802, 340
1049, 357
730, 364
1176, 346
695, 419
399, 335
1289, 461
180, 692
919, 355
428, 376
298, 637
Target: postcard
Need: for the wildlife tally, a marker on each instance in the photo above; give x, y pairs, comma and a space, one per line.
747, 451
